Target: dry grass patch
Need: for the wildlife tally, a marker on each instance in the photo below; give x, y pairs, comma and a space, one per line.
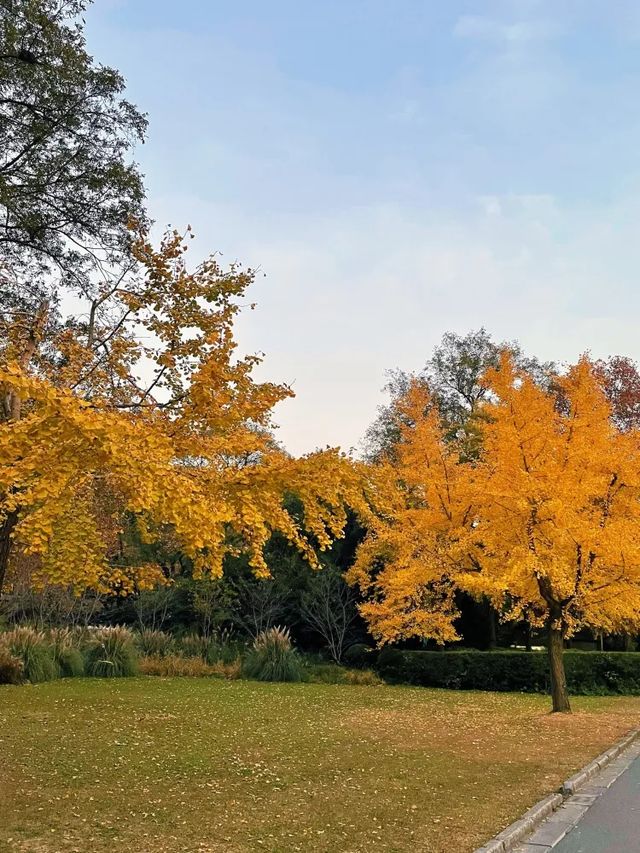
153, 765
173, 666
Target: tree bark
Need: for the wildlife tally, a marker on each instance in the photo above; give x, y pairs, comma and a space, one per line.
6, 529
559, 694
492, 627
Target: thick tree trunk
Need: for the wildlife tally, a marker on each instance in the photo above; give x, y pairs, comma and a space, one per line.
6, 529
559, 695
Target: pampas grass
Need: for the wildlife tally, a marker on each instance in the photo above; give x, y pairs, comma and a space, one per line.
111, 653
35, 652
273, 658
11, 667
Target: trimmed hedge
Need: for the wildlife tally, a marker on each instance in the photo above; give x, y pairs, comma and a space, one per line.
588, 673
361, 656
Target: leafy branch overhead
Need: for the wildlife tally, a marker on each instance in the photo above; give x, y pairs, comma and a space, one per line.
139, 404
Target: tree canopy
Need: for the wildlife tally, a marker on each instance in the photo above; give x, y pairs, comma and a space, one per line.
544, 523
68, 185
138, 403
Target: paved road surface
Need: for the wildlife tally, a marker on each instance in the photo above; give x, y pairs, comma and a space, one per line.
612, 823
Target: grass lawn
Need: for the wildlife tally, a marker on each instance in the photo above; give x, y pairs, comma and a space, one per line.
179, 765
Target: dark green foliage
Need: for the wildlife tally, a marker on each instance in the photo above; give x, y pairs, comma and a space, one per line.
272, 658
361, 656
67, 187
324, 673
222, 647
588, 673
66, 650
453, 378
111, 653
70, 663
11, 667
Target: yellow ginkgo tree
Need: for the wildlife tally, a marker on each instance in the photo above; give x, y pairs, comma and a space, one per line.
545, 523
135, 402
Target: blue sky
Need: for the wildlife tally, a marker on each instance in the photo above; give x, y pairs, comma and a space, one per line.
397, 169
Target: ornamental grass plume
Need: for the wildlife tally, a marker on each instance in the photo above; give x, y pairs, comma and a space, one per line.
273, 658
111, 653
34, 650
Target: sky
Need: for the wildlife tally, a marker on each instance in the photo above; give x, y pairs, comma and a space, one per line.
396, 169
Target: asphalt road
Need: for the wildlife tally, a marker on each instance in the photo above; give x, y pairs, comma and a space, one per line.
612, 823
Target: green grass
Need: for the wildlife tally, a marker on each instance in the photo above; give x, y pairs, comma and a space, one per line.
151, 765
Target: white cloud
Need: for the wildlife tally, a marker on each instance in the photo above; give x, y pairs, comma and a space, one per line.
350, 295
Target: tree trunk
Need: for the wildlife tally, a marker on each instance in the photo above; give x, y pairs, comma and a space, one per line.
6, 529
559, 695
493, 631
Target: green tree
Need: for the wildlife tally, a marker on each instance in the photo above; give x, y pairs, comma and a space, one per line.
67, 184
452, 376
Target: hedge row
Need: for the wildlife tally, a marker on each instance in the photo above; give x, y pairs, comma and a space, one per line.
588, 673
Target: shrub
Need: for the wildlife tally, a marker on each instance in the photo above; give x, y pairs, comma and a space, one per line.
111, 653
324, 673
65, 651
361, 656
194, 646
588, 673
231, 670
362, 677
11, 667
219, 647
35, 652
176, 666
154, 643
273, 658
331, 673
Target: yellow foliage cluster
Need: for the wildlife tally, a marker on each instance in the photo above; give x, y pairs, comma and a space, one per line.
84, 440
544, 523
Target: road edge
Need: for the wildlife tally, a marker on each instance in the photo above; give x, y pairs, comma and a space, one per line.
516, 832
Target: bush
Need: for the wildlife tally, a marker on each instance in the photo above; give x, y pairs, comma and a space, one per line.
331, 673
35, 652
170, 666
362, 677
273, 658
175, 666
194, 646
219, 647
65, 651
361, 656
588, 673
111, 653
324, 673
155, 643
11, 667
231, 670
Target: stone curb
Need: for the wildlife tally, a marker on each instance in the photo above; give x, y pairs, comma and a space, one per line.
516, 832
570, 786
